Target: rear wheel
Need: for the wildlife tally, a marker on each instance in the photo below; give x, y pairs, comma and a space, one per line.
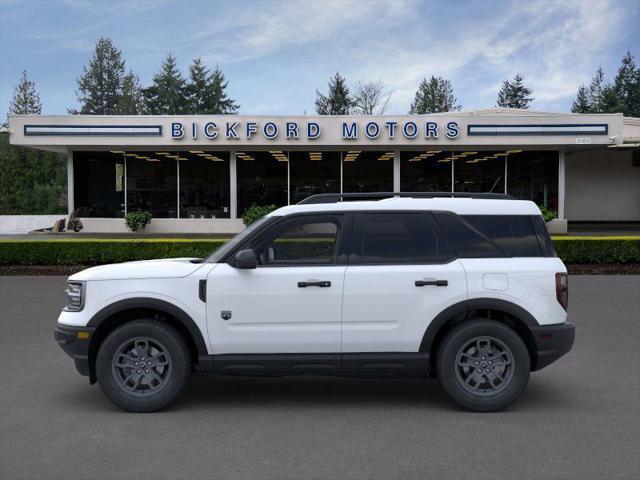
143, 365
483, 365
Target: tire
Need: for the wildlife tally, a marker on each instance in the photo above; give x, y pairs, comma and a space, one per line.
138, 385
483, 365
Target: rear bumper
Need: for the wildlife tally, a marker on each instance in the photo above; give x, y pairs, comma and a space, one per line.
552, 342
75, 343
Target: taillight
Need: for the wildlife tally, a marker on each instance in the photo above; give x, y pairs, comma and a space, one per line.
562, 289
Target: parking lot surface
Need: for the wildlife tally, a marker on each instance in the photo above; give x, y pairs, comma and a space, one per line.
578, 419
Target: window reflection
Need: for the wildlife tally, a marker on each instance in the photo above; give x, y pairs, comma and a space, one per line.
204, 184
262, 179
479, 171
425, 171
313, 172
365, 171
99, 184
152, 183
533, 175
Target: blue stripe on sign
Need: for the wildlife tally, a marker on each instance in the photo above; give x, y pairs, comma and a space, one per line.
532, 129
94, 130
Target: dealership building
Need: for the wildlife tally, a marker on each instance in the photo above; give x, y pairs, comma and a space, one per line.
199, 174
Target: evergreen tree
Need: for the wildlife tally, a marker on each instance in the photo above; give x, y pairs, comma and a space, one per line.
433, 96
596, 91
514, 94
167, 95
25, 99
206, 91
338, 101
581, 104
130, 101
100, 85
627, 86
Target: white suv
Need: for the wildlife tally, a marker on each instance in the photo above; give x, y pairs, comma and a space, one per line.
463, 287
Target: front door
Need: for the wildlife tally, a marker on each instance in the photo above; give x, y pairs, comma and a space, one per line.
291, 303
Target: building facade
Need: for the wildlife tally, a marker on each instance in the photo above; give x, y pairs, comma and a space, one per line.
201, 173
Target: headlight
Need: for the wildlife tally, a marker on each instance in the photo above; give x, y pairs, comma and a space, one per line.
75, 297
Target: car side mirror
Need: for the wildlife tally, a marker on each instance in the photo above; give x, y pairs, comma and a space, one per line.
245, 259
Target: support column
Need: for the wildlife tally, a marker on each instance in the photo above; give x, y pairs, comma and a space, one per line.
233, 185
561, 183
396, 170
70, 183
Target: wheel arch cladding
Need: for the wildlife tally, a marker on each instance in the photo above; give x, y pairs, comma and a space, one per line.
503, 311
121, 312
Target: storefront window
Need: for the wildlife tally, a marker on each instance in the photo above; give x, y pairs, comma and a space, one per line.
313, 172
365, 171
99, 184
479, 171
204, 184
425, 171
262, 179
152, 183
533, 175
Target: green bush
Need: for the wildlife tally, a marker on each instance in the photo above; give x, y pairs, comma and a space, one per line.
547, 213
256, 212
572, 250
137, 220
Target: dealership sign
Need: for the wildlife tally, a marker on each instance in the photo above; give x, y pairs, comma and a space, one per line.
293, 130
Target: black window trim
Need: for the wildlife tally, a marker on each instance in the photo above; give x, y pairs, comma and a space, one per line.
357, 233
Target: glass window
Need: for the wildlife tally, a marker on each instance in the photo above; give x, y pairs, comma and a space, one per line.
313, 172
401, 238
301, 242
425, 171
533, 175
367, 171
466, 240
152, 183
204, 184
479, 171
99, 184
514, 234
262, 179
544, 239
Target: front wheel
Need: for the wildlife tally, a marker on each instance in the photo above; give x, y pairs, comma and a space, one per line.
483, 365
143, 365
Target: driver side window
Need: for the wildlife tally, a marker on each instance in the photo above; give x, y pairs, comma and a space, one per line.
307, 241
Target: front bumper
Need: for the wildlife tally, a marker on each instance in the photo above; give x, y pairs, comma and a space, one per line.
552, 342
75, 343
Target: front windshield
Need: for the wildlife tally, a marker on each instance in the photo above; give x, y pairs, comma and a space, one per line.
237, 239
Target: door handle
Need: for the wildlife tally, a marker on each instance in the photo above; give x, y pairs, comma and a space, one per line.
437, 283
314, 283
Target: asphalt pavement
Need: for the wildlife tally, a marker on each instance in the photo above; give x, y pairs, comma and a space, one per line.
578, 419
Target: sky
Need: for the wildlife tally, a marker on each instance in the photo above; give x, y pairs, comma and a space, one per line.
275, 54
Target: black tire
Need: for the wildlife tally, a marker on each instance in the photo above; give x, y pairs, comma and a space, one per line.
468, 349
120, 367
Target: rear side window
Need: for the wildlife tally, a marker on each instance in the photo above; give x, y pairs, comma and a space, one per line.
514, 234
544, 239
400, 238
466, 240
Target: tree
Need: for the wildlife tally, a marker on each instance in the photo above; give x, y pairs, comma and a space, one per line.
337, 101
627, 86
100, 85
130, 101
370, 98
514, 94
596, 91
433, 96
167, 95
206, 92
581, 104
25, 99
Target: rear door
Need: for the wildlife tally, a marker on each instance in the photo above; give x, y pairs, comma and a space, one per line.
401, 274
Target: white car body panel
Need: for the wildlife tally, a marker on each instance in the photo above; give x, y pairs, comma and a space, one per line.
271, 314
145, 269
384, 311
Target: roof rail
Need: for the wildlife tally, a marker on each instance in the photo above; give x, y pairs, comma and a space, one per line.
339, 197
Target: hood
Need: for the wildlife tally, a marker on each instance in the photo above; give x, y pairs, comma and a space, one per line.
164, 268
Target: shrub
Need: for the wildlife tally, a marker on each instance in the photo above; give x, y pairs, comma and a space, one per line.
137, 220
256, 212
597, 250
547, 213
74, 223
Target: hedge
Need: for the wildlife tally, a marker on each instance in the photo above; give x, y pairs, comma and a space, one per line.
572, 250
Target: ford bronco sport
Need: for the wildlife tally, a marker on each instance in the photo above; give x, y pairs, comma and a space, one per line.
463, 287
